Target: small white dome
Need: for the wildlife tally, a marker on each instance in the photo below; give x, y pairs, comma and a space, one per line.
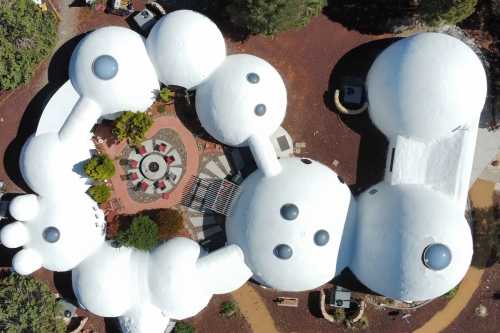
24, 207
26, 261
112, 67
290, 226
245, 96
14, 235
105, 283
396, 224
425, 86
185, 47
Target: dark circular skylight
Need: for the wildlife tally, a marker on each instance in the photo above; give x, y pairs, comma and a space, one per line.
105, 67
436, 256
253, 78
321, 237
260, 109
283, 251
51, 234
289, 212
306, 160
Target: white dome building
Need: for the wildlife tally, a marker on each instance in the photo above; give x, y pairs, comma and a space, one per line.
425, 86
245, 96
413, 243
185, 47
290, 226
111, 67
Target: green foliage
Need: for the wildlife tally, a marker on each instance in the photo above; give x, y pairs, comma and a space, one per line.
132, 126
166, 95
339, 315
450, 294
100, 193
269, 17
183, 327
162, 109
443, 12
228, 309
141, 234
169, 221
27, 35
27, 305
100, 167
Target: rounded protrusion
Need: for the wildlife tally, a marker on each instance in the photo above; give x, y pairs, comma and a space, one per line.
289, 212
436, 256
321, 237
14, 235
51, 234
24, 207
283, 251
105, 67
26, 261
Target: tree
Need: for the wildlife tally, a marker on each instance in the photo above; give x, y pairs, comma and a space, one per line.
100, 193
269, 17
166, 95
100, 167
27, 35
141, 234
444, 12
27, 305
169, 221
228, 309
132, 126
183, 327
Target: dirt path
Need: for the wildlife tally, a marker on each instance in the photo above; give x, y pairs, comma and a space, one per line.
254, 309
481, 195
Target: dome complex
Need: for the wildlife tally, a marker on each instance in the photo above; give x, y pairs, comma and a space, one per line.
290, 226
412, 243
245, 96
185, 47
425, 86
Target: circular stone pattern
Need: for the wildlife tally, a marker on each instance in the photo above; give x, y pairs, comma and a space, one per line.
283, 251
51, 234
436, 256
105, 67
289, 212
153, 166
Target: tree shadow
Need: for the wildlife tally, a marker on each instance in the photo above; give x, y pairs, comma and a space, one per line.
64, 286
372, 17
57, 76
313, 304
112, 325
354, 67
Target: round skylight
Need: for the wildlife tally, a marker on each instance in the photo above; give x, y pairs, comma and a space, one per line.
260, 109
283, 251
321, 237
105, 67
289, 211
253, 78
436, 256
51, 234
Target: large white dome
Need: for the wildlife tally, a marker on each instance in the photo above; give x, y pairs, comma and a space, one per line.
245, 96
425, 86
111, 66
290, 226
185, 47
395, 225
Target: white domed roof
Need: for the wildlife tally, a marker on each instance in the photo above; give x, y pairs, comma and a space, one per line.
396, 224
14, 235
111, 66
24, 207
185, 47
425, 86
290, 226
245, 96
105, 283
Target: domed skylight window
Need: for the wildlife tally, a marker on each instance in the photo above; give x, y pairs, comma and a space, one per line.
436, 256
321, 237
289, 211
105, 67
51, 234
260, 109
283, 251
253, 78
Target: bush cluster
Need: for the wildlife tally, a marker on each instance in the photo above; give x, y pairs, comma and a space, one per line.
142, 234
100, 167
132, 126
27, 35
100, 193
228, 309
183, 327
169, 221
446, 12
27, 305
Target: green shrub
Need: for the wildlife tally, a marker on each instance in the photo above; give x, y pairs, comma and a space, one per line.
162, 109
27, 35
444, 12
183, 327
169, 221
132, 126
141, 234
269, 17
167, 95
100, 193
27, 305
450, 294
339, 315
228, 309
100, 167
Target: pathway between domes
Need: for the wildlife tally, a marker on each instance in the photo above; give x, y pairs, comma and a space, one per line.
254, 309
481, 195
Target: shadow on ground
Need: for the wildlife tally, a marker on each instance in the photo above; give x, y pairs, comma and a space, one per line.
57, 76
